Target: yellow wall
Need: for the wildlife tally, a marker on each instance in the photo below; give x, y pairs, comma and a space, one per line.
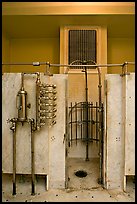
119, 51
15, 21
33, 50
47, 49
5, 51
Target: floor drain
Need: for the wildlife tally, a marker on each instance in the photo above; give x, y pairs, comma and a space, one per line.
81, 173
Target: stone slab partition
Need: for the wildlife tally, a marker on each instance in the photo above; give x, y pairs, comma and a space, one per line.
119, 134
129, 125
49, 141
113, 139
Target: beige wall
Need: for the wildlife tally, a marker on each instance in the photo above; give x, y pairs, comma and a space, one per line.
119, 51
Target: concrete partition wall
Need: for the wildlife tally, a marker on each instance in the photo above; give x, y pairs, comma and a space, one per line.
129, 125
119, 134
49, 143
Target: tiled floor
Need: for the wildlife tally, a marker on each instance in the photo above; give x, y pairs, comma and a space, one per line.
84, 189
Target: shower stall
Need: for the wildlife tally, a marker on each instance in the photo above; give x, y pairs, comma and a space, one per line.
62, 134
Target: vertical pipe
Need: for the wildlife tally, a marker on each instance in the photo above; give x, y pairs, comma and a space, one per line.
91, 121
14, 158
100, 129
86, 89
71, 123
79, 35
32, 158
76, 119
96, 121
81, 119
21, 102
22, 81
38, 82
89, 118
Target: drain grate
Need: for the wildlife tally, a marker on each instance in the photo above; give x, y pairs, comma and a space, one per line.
81, 173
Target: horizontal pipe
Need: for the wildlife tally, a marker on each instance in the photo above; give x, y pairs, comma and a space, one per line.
67, 65
85, 139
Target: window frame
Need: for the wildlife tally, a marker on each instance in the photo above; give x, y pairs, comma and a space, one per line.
101, 43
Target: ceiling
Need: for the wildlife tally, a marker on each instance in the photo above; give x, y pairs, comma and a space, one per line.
67, 8
44, 26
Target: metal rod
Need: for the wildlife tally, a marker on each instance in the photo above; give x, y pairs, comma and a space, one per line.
91, 121
84, 104
96, 121
76, 120
100, 128
86, 92
14, 158
22, 81
69, 65
84, 139
38, 82
32, 159
89, 118
81, 111
71, 123
102, 133
84, 121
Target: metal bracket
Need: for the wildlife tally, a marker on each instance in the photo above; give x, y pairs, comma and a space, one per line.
127, 73
48, 69
124, 69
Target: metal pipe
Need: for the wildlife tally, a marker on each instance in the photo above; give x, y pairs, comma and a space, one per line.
86, 104
71, 123
22, 81
100, 128
96, 121
102, 133
76, 120
81, 111
32, 158
38, 82
21, 102
86, 92
22, 117
14, 157
69, 65
91, 121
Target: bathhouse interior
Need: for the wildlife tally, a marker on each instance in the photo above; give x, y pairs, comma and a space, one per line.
68, 96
